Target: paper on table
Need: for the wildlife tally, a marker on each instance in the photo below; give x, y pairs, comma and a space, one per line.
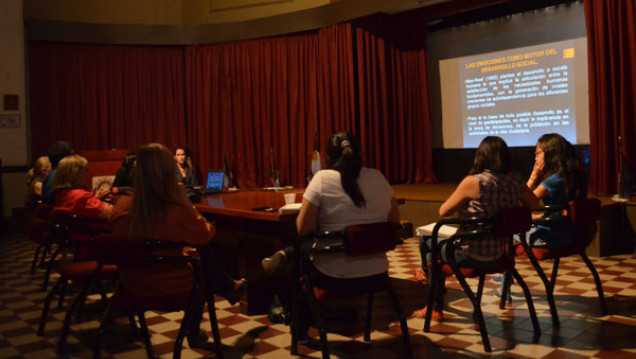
427, 230
290, 208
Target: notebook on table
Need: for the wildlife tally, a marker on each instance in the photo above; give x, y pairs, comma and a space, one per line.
214, 183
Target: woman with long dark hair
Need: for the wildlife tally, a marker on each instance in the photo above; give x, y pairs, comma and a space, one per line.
187, 176
159, 209
557, 178
490, 187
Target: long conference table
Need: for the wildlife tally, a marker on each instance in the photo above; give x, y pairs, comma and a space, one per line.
245, 236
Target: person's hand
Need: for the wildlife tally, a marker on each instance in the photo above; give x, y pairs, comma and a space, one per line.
537, 172
103, 194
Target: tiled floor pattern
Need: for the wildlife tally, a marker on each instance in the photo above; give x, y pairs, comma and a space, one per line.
582, 334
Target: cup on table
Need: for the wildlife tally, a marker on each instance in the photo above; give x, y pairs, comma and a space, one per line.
290, 198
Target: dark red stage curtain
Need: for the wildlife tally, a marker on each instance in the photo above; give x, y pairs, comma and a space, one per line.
247, 98
611, 33
102, 97
394, 106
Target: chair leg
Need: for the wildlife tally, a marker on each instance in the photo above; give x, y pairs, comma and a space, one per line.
528, 295
133, 324
315, 311
79, 299
97, 350
478, 315
555, 272
62, 294
505, 291
49, 267
480, 288
597, 280
548, 289
405, 329
216, 335
36, 256
145, 335
367, 326
435, 276
47, 305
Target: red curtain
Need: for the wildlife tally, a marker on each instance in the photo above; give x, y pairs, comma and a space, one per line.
248, 98
611, 33
102, 97
252, 100
394, 104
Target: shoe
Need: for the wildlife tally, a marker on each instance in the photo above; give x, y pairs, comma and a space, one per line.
272, 263
276, 312
235, 294
198, 341
436, 316
421, 276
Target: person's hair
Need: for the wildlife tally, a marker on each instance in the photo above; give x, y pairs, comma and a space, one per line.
561, 157
343, 152
59, 150
69, 172
155, 186
40, 164
129, 160
492, 155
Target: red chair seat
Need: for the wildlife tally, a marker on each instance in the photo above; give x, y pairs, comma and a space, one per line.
82, 272
541, 253
503, 265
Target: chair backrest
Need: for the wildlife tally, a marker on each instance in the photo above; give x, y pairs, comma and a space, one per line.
513, 221
584, 212
364, 239
118, 249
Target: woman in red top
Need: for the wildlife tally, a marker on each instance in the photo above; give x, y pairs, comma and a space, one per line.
69, 185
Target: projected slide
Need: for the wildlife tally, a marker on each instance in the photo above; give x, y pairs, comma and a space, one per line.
517, 94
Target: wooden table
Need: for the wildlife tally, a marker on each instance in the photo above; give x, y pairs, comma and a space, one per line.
244, 237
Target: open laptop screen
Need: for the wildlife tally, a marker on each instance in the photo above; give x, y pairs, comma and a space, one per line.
215, 181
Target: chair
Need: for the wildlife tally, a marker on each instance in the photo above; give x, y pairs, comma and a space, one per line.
40, 233
582, 215
505, 224
126, 253
357, 240
71, 233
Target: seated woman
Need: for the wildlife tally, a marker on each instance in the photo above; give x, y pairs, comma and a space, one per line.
124, 175
489, 188
159, 209
35, 178
186, 171
557, 178
69, 186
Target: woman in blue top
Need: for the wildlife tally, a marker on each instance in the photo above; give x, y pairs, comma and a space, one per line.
557, 178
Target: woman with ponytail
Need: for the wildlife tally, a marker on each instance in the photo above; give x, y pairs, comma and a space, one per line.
346, 194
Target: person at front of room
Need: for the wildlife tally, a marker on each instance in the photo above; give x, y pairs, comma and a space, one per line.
69, 186
158, 208
186, 171
345, 194
57, 151
489, 188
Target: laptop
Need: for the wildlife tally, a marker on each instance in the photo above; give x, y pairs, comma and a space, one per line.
214, 184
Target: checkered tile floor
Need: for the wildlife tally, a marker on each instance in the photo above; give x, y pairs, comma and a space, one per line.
583, 333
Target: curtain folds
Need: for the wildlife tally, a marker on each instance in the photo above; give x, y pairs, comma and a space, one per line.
254, 102
103, 97
611, 32
394, 106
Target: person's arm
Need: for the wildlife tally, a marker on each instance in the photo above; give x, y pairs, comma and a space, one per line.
394, 213
307, 221
37, 188
468, 189
107, 211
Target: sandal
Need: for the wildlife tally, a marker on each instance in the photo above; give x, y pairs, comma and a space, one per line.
421, 276
436, 316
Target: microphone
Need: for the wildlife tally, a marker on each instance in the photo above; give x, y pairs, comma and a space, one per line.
120, 190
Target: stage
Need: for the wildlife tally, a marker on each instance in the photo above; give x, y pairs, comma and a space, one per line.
420, 205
